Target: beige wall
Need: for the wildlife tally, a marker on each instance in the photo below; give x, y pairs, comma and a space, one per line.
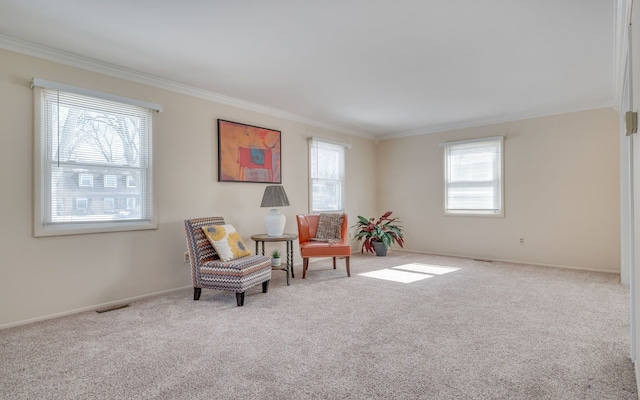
42, 277
562, 193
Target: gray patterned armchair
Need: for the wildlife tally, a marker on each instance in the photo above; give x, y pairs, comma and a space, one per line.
208, 271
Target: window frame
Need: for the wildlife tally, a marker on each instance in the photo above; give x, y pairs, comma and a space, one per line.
89, 179
112, 178
131, 182
499, 172
341, 181
80, 200
42, 228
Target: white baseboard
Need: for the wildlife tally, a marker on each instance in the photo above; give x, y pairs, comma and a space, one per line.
90, 308
512, 261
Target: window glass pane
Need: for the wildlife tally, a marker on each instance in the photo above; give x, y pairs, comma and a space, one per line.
131, 181
85, 180
91, 145
468, 197
82, 204
326, 195
327, 164
473, 163
111, 181
473, 177
327, 176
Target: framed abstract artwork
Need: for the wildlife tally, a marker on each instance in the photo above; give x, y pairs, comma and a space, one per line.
248, 153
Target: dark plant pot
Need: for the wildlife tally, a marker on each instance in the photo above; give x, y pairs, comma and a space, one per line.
380, 248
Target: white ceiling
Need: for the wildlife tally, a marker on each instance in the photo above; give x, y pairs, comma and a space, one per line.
378, 68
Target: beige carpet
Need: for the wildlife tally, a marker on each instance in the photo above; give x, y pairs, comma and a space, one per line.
471, 330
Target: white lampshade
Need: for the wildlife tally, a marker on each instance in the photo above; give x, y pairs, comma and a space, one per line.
274, 221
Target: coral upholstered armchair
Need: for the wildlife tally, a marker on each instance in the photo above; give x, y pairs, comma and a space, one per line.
323, 235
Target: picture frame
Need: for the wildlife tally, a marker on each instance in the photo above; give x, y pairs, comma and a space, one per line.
248, 153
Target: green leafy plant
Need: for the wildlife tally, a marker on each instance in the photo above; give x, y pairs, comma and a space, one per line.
385, 230
275, 254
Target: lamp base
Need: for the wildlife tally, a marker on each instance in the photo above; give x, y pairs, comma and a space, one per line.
274, 222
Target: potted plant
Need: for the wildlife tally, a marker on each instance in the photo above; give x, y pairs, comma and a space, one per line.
378, 236
275, 258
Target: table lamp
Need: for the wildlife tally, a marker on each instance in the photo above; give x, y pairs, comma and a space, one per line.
274, 196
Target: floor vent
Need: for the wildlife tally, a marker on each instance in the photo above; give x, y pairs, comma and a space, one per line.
112, 308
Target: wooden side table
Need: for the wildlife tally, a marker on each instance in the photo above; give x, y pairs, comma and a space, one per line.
286, 237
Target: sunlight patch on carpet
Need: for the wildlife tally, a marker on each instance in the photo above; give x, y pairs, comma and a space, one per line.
408, 273
396, 275
426, 268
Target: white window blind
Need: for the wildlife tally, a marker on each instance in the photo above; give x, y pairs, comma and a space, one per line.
473, 176
90, 147
327, 175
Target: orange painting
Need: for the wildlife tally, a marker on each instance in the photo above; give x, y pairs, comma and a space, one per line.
248, 153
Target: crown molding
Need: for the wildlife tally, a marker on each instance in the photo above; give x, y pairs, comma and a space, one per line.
20, 46
75, 60
495, 121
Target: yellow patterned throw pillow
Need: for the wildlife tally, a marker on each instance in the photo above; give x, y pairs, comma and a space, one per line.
227, 241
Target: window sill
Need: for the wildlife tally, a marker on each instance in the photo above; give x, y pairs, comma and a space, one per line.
87, 228
488, 214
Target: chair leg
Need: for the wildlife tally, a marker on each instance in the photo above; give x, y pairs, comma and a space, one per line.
265, 286
305, 264
348, 271
240, 299
196, 293
334, 263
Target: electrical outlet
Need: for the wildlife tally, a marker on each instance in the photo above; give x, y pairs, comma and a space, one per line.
186, 257
521, 240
